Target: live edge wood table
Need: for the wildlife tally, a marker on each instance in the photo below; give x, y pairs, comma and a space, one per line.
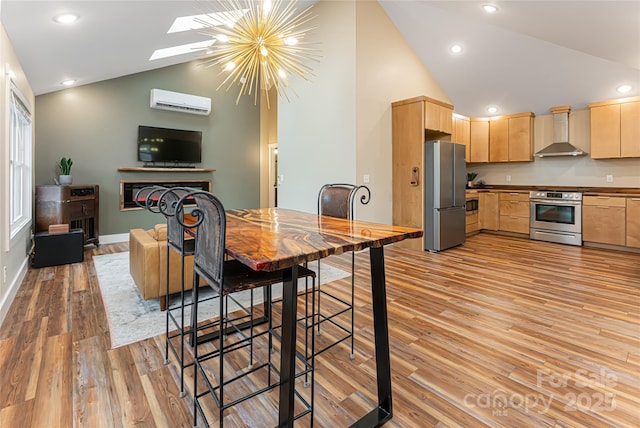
275, 238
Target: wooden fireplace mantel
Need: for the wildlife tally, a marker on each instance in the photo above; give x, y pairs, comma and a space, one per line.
152, 169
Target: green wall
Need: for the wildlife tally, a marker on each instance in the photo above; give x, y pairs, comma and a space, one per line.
97, 124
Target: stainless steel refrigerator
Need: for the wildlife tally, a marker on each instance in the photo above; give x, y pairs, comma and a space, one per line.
445, 177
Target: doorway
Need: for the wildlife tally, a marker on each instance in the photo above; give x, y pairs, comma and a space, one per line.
273, 175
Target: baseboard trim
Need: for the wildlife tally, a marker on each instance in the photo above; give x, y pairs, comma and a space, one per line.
8, 298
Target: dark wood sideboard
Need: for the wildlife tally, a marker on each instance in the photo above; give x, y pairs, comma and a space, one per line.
77, 206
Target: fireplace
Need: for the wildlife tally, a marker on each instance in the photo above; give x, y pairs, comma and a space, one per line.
129, 189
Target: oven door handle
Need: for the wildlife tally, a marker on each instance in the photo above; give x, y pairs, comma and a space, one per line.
555, 202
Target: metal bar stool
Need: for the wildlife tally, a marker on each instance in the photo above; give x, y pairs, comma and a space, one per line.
227, 279
163, 200
338, 200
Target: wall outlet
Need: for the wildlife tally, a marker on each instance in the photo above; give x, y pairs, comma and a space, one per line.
365, 178
609, 178
508, 178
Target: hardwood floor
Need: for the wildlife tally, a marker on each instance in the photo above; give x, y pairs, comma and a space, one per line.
501, 332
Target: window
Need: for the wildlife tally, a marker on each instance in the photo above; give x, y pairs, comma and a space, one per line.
20, 163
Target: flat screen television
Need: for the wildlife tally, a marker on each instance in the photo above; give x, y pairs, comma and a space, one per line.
169, 146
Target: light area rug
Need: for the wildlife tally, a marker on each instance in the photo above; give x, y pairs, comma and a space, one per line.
131, 318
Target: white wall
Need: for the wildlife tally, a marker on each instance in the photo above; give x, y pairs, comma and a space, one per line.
317, 129
387, 70
338, 128
13, 254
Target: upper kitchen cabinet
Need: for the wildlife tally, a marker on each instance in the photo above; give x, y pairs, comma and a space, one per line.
462, 133
521, 137
615, 128
499, 140
438, 116
511, 138
479, 140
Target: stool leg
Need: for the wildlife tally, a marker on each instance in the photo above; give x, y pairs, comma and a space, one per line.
319, 294
221, 338
194, 338
306, 326
251, 335
166, 297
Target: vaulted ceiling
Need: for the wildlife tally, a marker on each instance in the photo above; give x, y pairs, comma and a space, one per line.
528, 56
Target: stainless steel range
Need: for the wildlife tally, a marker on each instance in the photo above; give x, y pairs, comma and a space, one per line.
556, 216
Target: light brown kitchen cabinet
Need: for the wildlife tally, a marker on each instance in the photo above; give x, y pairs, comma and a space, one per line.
473, 207
413, 121
615, 128
499, 140
633, 222
514, 212
489, 210
471, 223
438, 116
511, 138
479, 139
630, 130
462, 134
603, 219
521, 137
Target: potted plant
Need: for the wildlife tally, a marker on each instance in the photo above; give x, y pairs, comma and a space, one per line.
470, 177
65, 171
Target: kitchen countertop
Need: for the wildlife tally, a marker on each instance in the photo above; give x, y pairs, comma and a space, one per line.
588, 191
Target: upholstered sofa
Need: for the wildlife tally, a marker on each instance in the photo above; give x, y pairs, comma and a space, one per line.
148, 264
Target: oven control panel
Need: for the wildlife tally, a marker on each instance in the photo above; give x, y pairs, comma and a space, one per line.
543, 194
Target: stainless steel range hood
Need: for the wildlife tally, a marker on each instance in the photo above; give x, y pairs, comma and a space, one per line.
560, 145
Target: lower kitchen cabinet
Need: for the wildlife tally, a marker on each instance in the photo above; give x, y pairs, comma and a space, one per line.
489, 210
472, 223
603, 219
514, 212
633, 222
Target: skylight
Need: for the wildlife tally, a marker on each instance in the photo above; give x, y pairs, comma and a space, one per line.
197, 22
181, 49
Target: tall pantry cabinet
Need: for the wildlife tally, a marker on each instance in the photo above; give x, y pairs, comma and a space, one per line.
414, 121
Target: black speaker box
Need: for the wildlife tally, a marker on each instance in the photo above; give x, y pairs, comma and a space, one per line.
58, 248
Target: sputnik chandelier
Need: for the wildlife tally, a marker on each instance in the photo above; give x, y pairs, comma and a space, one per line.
261, 45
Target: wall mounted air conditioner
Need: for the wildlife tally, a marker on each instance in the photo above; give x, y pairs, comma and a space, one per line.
175, 101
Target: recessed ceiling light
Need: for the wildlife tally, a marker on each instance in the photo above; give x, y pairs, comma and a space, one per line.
66, 18
456, 49
492, 109
489, 8
623, 89
68, 82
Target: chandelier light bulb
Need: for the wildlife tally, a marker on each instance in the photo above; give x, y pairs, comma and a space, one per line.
230, 66
282, 73
222, 38
264, 51
291, 41
266, 7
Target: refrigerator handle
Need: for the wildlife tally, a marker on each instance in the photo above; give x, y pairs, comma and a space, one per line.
415, 176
